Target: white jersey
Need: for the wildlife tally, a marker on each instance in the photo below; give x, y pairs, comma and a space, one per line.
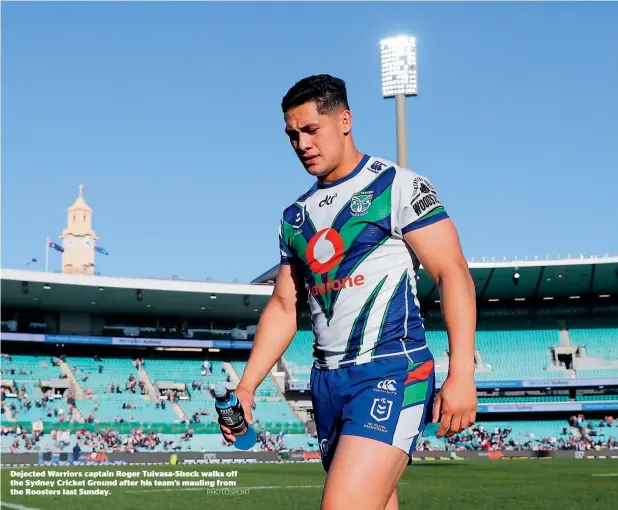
360, 275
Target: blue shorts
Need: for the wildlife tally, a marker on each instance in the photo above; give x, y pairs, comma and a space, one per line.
389, 400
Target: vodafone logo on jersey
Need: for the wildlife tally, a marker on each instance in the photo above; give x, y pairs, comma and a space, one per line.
324, 251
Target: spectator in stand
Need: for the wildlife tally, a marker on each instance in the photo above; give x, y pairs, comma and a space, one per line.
76, 452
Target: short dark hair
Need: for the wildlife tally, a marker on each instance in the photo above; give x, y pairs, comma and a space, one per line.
329, 94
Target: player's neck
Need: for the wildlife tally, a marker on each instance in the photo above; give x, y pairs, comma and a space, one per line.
350, 161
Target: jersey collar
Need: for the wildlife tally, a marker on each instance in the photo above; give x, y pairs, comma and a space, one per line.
351, 175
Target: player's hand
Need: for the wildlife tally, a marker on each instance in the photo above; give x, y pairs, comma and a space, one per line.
455, 406
246, 398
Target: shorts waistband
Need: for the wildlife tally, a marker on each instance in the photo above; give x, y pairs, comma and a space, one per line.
414, 355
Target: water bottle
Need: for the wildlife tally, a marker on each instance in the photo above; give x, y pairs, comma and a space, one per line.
231, 414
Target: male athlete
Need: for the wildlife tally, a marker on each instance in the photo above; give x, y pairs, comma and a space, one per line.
351, 246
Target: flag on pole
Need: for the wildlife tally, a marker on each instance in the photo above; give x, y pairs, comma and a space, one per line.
101, 250
55, 246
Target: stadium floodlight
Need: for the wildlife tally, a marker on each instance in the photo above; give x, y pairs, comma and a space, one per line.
399, 66
399, 79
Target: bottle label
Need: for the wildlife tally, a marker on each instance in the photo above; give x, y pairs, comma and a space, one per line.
233, 418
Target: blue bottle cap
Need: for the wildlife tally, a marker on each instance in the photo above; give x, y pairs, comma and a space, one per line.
247, 440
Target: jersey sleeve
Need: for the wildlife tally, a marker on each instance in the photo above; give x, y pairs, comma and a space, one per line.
416, 202
287, 256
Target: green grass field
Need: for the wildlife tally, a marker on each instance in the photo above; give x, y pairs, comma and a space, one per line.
520, 485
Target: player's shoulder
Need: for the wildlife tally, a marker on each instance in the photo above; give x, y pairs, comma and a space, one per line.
292, 211
409, 178
378, 165
307, 194
401, 174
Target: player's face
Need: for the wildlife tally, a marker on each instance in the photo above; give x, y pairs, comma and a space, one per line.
318, 140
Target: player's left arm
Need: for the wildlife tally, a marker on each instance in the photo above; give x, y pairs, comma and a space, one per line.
432, 236
438, 249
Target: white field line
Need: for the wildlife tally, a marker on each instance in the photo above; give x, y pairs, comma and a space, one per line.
15, 506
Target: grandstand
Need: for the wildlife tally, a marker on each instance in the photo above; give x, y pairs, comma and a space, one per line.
82, 355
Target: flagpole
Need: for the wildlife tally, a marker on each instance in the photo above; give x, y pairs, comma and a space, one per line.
47, 255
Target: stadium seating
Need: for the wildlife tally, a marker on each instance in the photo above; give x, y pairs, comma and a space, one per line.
188, 371
437, 340
596, 373
599, 342
514, 353
266, 389
274, 411
40, 413
301, 376
34, 370
521, 432
184, 371
107, 407
588, 398
198, 442
297, 441
299, 354
115, 370
517, 354
145, 411
526, 400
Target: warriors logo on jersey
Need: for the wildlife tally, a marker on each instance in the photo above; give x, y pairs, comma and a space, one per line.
361, 202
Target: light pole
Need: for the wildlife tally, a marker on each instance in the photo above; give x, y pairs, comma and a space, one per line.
399, 79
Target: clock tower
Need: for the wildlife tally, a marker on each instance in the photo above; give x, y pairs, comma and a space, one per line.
78, 238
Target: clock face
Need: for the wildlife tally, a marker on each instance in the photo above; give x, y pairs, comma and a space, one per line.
70, 241
87, 242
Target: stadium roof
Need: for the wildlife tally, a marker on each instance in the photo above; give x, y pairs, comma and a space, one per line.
537, 279
244, 302
111, 295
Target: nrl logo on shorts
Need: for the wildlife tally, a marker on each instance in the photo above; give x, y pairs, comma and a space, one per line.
361, 202
381, 409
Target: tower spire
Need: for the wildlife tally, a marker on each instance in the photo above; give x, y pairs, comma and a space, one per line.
78, 238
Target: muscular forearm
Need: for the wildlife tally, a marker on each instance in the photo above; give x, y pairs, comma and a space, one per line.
274, 333
458, 303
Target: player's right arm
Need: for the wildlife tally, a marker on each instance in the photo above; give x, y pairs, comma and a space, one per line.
275, 331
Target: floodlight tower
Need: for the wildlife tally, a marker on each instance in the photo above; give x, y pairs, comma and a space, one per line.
399, 79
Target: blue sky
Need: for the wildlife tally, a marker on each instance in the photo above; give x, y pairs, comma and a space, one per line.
169, 115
